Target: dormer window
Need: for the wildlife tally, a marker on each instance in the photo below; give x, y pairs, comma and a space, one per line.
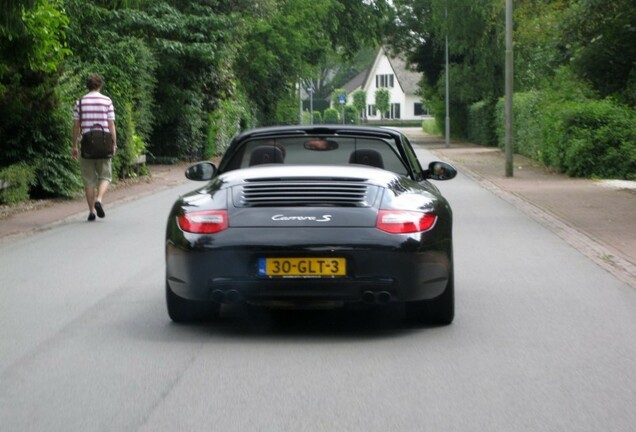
384, 80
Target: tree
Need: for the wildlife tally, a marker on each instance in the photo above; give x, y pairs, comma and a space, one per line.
360, 102
33, 123
192, 46
294, 40
600, 35
382, 101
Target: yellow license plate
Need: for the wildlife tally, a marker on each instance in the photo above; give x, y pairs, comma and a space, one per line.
302, 267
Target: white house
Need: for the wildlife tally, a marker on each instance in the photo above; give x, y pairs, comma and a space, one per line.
393, 74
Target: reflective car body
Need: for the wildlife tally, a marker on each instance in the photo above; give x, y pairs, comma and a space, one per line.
308, 216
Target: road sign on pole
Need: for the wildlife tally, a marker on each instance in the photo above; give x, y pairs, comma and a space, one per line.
342, 99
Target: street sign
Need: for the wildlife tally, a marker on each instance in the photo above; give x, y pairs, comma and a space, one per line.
341, 98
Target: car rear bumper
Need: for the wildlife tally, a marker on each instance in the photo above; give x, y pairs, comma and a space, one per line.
229, 275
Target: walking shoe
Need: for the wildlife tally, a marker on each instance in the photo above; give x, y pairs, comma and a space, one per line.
91, 217
99, 209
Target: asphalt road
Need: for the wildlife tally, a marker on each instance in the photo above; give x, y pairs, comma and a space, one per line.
544, 340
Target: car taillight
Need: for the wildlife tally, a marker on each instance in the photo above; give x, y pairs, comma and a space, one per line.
404, 221
204, 222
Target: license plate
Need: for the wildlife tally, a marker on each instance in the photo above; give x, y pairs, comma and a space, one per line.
302, 267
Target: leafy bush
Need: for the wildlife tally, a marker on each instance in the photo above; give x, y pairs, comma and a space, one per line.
307, 117
20, 177
331, 116
600, 139
352, 115
228, 120
480, 127
567, 128
528, 123
431, 127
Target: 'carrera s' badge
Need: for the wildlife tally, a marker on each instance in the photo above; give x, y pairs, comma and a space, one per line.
323, 218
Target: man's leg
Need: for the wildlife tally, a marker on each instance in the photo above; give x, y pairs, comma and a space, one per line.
90, 198
104, 175
88, 176
101, 189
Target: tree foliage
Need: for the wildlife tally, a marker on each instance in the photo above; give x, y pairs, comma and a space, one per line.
182, 73
382, 101
600, 36
592, 37
360, 101
293, 40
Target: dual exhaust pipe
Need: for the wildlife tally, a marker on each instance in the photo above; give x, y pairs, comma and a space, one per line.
381, 297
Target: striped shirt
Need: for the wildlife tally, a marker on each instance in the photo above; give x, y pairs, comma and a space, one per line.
96, 109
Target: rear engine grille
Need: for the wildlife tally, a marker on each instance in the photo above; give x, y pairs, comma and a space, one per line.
304, 194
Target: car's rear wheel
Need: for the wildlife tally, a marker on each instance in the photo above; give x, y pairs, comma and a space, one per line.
183, 310
439, 310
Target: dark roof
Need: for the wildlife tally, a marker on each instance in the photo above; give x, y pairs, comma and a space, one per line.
356, 82
406, 76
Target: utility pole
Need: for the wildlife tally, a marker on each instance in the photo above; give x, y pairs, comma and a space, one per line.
447, 119
300, 101
509, 91
310, 90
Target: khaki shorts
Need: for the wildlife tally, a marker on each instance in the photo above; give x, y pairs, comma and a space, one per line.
96, 170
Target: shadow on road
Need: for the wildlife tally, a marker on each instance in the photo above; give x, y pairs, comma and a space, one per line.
340, 324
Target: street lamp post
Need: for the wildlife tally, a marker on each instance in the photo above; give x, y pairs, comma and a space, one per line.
310, 90
300, 101
509, 90
447, 119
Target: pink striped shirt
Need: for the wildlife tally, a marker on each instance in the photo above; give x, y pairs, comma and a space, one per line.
96, 109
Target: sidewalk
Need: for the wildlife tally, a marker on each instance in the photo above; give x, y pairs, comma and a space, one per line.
43, 214
596, 217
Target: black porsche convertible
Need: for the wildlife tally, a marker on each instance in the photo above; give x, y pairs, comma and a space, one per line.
313, 216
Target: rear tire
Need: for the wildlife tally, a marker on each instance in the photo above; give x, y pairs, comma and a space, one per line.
183, 310
439, 310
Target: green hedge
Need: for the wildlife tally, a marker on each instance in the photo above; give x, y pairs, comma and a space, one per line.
528, 121
231, 117
331, 116
573, 133
20, 177
480, 127
352, 116
593, 139
431, 127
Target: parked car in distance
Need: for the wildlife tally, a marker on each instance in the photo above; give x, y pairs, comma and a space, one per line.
313, 216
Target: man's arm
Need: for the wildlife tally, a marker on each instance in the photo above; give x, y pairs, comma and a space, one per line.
113, 131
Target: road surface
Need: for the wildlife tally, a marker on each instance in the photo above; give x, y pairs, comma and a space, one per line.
544, 340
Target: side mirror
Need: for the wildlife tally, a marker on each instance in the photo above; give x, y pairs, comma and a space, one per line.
201, 171
440, 171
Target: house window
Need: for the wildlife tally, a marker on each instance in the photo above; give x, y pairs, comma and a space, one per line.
395, 111
371, 112
418, 109
384, 80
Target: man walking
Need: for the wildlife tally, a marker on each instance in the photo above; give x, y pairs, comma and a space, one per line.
94, 109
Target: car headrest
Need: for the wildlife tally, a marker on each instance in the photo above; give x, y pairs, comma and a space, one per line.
266, 155
367, 157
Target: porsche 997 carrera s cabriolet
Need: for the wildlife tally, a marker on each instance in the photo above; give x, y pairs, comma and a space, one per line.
313, 216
